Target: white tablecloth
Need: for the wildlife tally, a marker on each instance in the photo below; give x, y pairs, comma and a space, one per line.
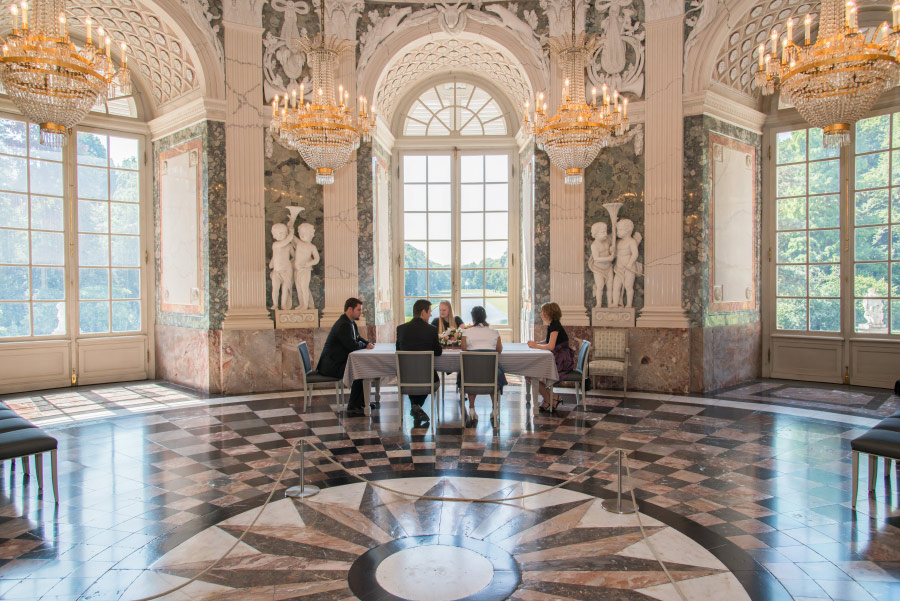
516, 358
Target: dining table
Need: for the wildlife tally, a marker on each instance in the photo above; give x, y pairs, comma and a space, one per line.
517, 358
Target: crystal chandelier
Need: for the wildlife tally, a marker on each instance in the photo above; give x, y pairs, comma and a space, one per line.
53, 82
576, 134
834, 82
323, 131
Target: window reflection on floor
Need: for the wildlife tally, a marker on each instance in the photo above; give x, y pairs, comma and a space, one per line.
103, 401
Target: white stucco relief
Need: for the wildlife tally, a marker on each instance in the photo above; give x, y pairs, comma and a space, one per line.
208, 22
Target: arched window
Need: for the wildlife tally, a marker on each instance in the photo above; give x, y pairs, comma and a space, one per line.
455, 107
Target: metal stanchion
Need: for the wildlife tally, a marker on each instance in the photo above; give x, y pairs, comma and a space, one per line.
618, 505
304, 490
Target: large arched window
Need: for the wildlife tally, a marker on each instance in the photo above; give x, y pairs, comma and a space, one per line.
457, 215
455, 107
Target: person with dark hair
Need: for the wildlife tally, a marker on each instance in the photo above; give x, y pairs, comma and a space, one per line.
418, 335
557, 342
342, 340
480, 337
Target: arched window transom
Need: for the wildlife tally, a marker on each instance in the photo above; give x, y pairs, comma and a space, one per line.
455, 108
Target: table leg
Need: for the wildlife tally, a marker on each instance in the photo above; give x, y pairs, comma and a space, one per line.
377, 390
528, 390
367, 385
535, 392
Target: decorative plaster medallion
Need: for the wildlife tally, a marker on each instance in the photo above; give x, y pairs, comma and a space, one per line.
282, 61
619, 61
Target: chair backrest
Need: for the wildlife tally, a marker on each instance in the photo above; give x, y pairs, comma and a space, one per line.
304, 357
583, 355
610, 344
478, 368
415, 371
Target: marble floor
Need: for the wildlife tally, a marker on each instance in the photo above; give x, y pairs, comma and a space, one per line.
747, 492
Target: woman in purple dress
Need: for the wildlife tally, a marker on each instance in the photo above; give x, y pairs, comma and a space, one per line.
557, 342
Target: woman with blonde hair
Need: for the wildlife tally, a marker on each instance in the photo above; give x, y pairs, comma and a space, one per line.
445, 316
557, 342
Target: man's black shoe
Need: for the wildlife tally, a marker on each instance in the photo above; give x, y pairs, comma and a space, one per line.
355, 413
374, 405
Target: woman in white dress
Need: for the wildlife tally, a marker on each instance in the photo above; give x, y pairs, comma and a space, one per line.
480, 337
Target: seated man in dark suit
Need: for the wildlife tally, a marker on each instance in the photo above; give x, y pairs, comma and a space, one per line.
418, 335
342, 340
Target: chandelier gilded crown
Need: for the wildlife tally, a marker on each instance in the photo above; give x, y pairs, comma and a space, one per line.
574, 136
325, 131
834, 82
52, 81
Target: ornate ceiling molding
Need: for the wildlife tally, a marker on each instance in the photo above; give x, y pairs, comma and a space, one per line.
159, 58
738, 55
442, 54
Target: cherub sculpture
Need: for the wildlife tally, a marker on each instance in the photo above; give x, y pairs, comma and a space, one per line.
600, 262
627, 265
282, 275
305, 257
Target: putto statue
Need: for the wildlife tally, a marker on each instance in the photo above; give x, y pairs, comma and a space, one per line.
613, 261
305, 256
600, 262
293, 258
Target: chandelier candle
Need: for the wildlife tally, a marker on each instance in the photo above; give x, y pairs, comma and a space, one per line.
578, 131
835, 81
53, 82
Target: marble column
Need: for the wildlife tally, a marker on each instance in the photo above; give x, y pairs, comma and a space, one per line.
566, 201
341, 224
663, 211
244, 174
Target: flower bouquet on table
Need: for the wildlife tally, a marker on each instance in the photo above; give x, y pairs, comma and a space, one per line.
452, 338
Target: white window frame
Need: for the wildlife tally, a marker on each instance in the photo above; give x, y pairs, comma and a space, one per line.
36, 362
849, 357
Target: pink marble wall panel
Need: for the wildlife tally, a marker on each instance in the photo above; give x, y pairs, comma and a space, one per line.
660, 359
287, 340
182, 356
215, 361
250, 361
731, 355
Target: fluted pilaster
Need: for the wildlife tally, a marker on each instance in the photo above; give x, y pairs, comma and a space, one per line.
244, 179
663, 210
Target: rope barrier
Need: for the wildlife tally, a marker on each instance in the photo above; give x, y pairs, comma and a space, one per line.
593, 466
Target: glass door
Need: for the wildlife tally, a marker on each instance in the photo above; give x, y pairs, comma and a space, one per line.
456, 234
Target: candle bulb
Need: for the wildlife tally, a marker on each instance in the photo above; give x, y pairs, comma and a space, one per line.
762, 56
774, 42
854, 23
847, 8
341, 95
807, 22
107, 47
62, 26
15, 13
566, 90
275, 106
87, 24
5, 49
624, 108
784, 51
124, 56
895, 11
790, 30
24, 15
285, 104
593, 96
301, 95
294, 99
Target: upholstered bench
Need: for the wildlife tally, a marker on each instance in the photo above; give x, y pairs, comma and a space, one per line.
881, 441
20, 438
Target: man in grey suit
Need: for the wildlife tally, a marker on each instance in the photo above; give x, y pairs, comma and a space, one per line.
419, 335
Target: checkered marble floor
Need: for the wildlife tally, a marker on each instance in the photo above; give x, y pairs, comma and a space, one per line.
766, 480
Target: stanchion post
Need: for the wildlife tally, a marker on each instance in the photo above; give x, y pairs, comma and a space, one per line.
618, 505
304, 490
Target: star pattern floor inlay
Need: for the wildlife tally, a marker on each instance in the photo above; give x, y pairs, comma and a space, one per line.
566, 545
